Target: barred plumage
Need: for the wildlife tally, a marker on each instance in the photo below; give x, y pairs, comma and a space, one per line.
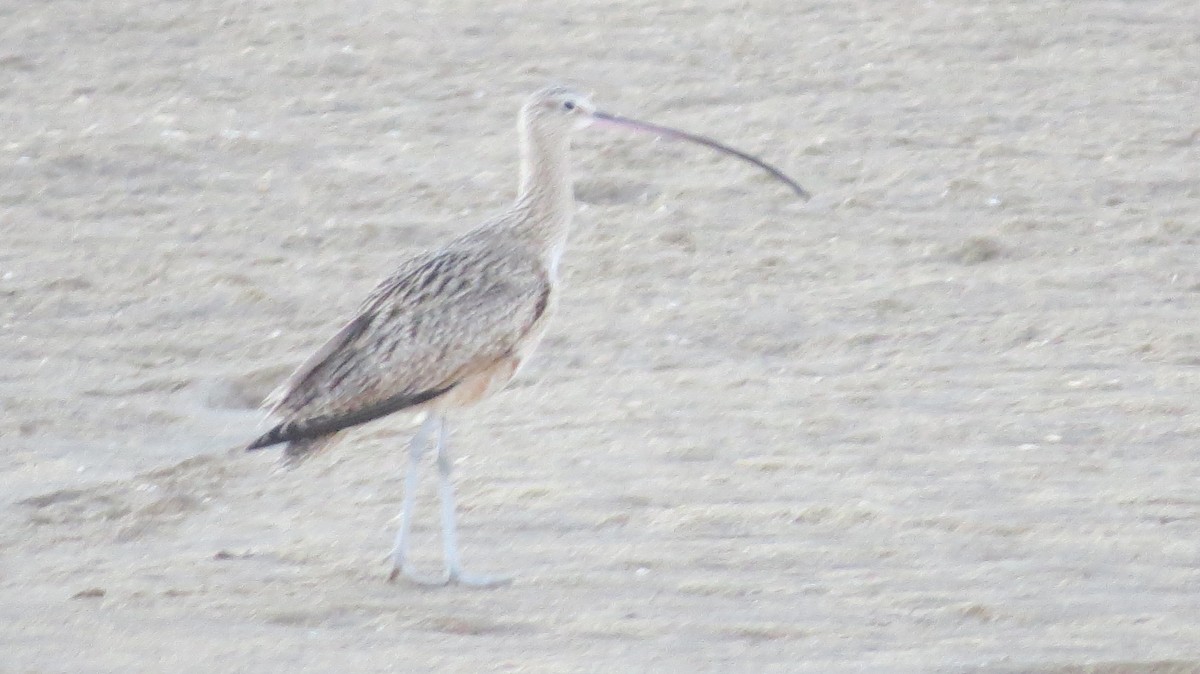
441, 319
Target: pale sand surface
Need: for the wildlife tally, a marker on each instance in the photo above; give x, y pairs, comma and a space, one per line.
943, 418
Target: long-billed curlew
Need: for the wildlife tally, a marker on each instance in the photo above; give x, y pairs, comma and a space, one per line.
453, 325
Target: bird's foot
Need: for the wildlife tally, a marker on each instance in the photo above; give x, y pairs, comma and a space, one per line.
460, 577
449, 577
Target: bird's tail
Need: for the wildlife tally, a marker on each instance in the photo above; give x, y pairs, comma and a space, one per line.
297, 447
299, 451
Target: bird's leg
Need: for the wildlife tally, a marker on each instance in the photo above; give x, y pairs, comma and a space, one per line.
454, 570
412, 476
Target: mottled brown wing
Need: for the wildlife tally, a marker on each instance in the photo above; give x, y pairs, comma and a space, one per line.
440, 318
283, 396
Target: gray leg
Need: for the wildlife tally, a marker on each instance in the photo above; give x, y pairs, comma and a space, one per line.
433, 426
412, 476
454, 570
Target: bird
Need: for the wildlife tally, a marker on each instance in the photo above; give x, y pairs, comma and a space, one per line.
453, 325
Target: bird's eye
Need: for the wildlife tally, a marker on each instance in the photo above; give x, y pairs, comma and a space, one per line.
568, 105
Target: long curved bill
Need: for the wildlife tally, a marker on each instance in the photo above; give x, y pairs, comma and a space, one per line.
607, 119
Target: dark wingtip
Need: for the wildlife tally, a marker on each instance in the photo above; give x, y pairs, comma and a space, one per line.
271, 437
318, 426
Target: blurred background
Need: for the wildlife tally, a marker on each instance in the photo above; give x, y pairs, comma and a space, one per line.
941, 418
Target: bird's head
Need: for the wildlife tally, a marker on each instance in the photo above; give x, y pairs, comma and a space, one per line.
552, 113
557, 109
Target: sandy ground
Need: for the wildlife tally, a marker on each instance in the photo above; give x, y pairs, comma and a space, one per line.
943, 418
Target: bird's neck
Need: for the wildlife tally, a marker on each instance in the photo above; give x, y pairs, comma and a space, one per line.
545, 198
